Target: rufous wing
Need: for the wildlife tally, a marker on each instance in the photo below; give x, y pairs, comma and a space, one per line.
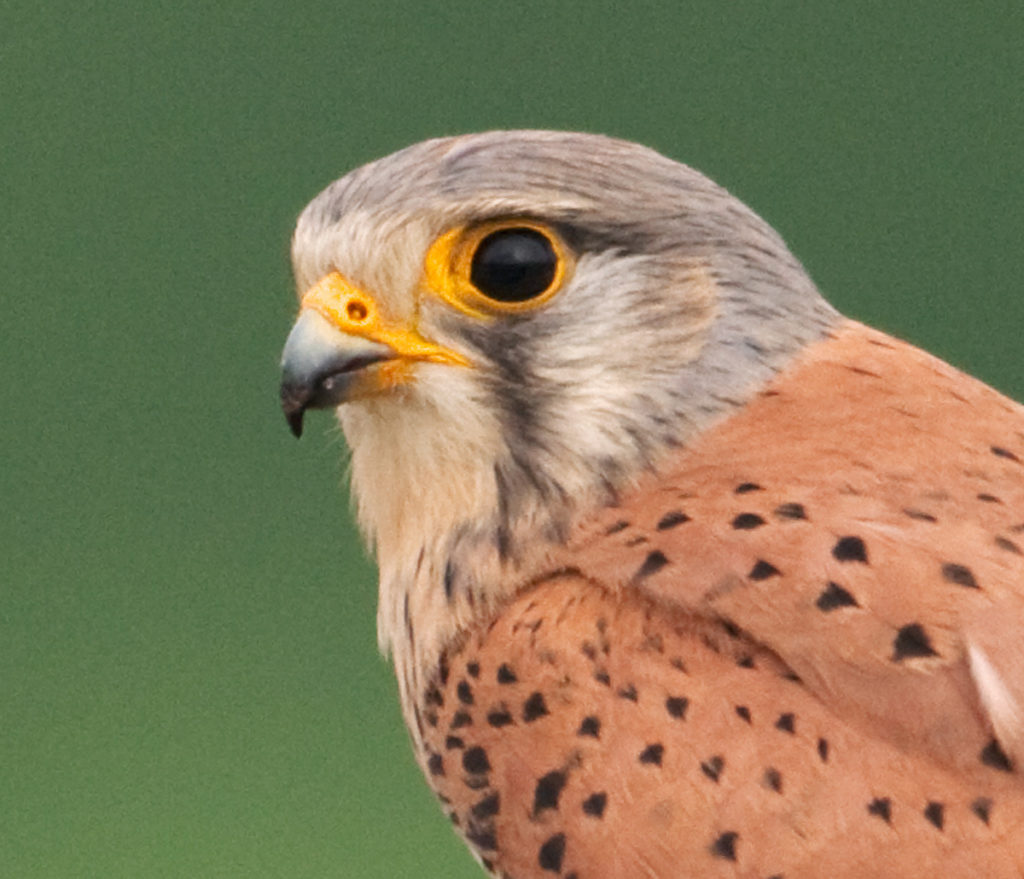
863, 519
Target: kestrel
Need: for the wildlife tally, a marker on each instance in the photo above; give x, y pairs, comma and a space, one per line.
683, 573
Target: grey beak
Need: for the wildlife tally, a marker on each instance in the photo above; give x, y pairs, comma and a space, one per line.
319, 364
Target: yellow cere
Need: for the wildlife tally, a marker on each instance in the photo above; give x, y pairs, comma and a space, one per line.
450, 260
355, 312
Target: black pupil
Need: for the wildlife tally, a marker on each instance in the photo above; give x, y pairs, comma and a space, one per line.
513, 265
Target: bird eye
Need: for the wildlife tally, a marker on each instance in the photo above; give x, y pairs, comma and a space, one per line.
509, 265
514, 265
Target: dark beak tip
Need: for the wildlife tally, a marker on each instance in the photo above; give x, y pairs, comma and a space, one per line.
319, 365
294, 419
295, 399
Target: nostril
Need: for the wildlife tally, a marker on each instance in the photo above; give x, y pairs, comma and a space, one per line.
356, 310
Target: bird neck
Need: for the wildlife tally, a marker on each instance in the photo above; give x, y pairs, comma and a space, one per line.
462, 516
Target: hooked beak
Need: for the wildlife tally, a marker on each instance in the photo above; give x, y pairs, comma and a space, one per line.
341, 347
319, 366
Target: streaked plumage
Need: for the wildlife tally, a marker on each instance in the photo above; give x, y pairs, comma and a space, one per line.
683, 573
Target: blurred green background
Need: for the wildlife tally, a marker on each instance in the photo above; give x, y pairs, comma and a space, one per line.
189, 682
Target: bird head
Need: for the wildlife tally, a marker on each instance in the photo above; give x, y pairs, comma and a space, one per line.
514, 326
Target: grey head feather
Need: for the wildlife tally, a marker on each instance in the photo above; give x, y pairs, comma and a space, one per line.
682, 304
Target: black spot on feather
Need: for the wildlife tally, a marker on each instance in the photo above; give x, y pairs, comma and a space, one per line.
534, 707
959, 575
935, 813
482, 837
920, 515
850, 549
499, 717
435, 763
747, 522
994, 756
762, 570
676, 706
725, 845
671, 520
654, 562
449, 579
712, 767
982, 807
912, 642
547, 791
506, 675
773, 779
551, 853
652, 755
1007, 545
1000, 452
881, 807
594, 804
488, 807
835, 596
475, 761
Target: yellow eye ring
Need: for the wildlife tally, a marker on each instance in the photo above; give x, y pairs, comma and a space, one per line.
449, 266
